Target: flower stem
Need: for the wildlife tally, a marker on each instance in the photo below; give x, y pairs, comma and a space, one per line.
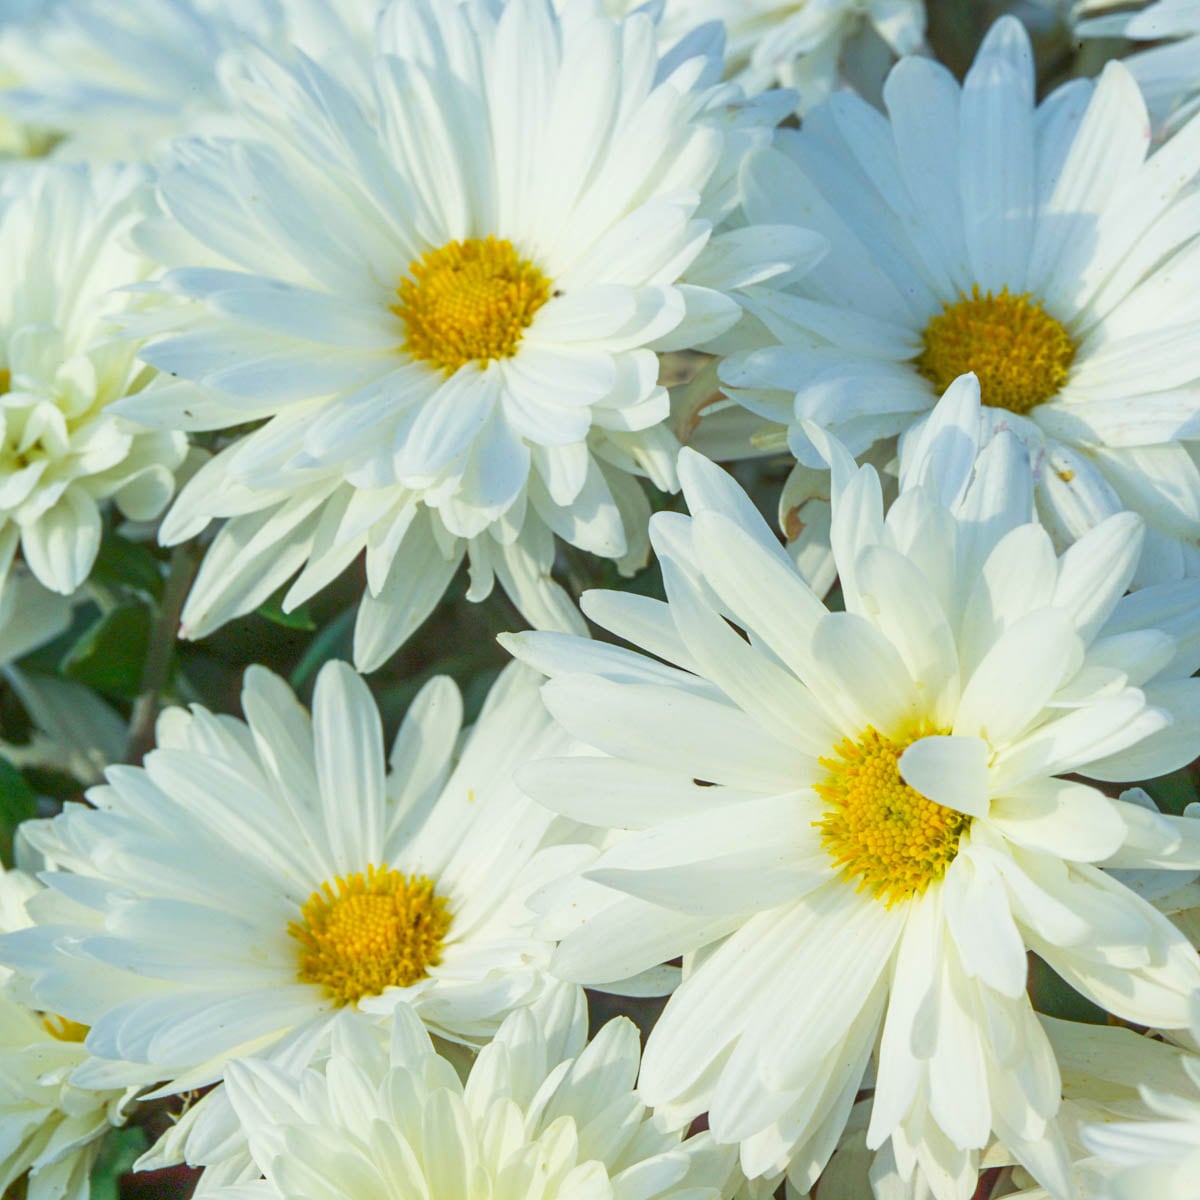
156, 670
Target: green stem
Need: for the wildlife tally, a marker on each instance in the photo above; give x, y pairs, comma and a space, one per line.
156, 671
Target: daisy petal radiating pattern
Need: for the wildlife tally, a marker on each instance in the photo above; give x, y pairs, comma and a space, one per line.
541, 1114
254, 879
853, 826
66, 264
1044, 247
51, 1128
441, 293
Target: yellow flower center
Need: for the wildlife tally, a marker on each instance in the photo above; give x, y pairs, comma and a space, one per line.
63, 1029
364, 933
1020, 353
879, 830
469, 301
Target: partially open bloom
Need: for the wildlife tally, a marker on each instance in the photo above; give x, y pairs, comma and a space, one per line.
855, 825
442, 304
51, 1128
1040, 246
252, 880
63, 451
1168, 73
543, 1114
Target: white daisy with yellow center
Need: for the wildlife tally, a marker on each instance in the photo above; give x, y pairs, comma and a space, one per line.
541, 1115
853, 826
52, 1129
255, 879
440, 293
1044, 247
64, 453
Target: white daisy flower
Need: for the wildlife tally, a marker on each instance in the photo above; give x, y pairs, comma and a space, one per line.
1157, 1155
254, 879
446, 304
808, 46
116, 81
1107, 1073
1169, 73
1038, 246
856, 824
542, 1114
50, 1128
63, 451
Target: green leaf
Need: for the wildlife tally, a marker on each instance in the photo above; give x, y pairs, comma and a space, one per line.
121, 1149
334, 641
1173, 793
18, 802
299, 618
1052, 995
47, 659
109, 656
128, 566
52, 784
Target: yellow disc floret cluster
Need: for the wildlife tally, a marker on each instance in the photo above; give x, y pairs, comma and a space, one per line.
1020, 353
879, 830
469, 301
363, 933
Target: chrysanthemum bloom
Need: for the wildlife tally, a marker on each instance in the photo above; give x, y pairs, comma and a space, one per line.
1109, 1074
1157, 1155
63, 451
445, 300
48, 1127
1169, 74
116, 81
1038, 246
542, 1114
854, 824
255, 879
809, 45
